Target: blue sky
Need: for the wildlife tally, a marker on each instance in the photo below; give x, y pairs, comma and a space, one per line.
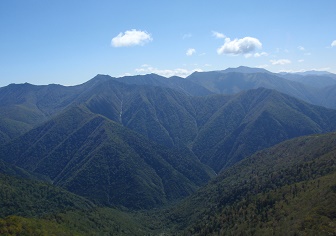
69, 42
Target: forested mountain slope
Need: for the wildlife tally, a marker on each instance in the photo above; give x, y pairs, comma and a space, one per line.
30, 207
288, 189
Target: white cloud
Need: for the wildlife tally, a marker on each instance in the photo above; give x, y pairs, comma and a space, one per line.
301, 48
125, 74
248, 55
280, 62
260, 54
218, 35
191, 51
292, 71
185, 36
166, 72
301, 60
145, 65
333, 44
131, 38
239, 46
262, 66
307, 54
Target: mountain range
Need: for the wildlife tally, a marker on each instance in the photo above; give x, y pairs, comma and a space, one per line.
144, 142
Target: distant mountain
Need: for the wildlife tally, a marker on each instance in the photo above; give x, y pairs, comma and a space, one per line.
234, 82
96, 158
287, 189
315, 81
309, 86
313, 72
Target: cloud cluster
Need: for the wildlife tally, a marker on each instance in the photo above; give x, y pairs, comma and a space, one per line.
280, 62
147, 69
333, 44
239, 46
190, 51
131, 38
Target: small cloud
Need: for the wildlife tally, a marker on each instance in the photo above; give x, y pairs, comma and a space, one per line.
333, 44
321, 69
207, 65
218, 35
262, 66
131, 38
239, 46
291, 71
301, 60
301, 48
145, 65
166, 72
307, 54
280, 62
185, 36
191, 51
125, 74
260, 54
248, 55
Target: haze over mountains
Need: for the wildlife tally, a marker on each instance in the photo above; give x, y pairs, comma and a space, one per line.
142, 142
